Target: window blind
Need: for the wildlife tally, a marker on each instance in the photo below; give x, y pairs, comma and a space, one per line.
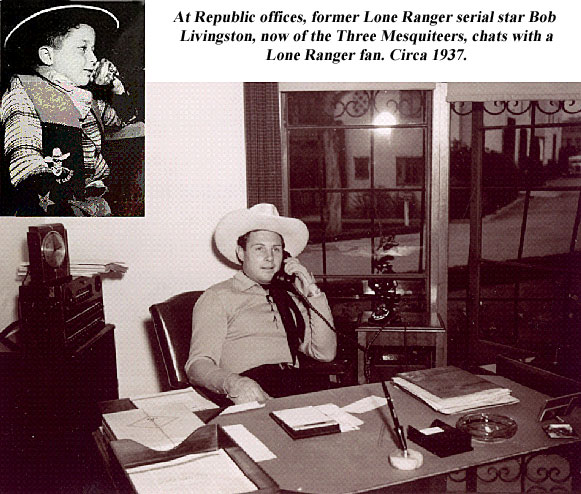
513, 91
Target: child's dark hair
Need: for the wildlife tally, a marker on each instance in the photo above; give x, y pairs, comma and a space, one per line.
25, 58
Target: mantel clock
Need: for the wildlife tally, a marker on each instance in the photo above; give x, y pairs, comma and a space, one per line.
48, 253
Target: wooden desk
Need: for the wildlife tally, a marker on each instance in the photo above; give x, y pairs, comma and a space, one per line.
413, 330
357, 461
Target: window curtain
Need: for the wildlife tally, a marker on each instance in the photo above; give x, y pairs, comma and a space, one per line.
263, 146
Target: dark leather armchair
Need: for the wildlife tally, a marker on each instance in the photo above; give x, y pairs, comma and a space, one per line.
172, 321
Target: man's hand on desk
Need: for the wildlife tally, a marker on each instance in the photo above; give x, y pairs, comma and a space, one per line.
243, 389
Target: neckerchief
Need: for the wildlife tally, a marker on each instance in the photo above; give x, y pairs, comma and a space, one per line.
81, 98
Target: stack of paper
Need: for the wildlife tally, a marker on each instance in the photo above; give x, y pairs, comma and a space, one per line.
192, 473
305, 422
452, 390
315, 420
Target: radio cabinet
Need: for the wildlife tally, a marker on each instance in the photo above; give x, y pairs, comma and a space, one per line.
49, 411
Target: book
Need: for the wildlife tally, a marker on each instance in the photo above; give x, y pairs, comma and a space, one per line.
451, 390
306, 421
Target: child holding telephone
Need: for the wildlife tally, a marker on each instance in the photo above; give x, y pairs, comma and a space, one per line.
53, 126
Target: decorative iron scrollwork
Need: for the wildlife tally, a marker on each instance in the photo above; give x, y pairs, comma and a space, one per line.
460, 476
411, 104
461, 108
551, 470
507, 471
535, 473
546, 107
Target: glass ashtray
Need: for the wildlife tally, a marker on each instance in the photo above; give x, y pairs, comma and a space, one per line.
487, 427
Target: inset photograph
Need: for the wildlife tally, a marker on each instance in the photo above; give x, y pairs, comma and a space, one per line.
72, 113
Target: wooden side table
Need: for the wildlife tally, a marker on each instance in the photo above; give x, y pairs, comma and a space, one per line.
413, 330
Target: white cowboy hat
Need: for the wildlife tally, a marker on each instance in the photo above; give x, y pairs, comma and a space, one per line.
259, 217
98, 17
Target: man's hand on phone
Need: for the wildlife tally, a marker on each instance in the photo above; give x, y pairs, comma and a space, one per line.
304, 280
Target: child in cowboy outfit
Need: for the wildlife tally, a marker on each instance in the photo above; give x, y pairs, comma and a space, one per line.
52, 126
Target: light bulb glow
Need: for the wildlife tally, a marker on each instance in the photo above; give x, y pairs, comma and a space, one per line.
384, 118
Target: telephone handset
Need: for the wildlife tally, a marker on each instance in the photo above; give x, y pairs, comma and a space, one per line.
281, 277
285, 280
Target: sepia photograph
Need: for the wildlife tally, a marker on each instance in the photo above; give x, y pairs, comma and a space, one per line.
391, 267
339, 280
72, 111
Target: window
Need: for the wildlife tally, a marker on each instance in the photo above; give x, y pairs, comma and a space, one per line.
361, 168
358, 163
410, 170
520, 212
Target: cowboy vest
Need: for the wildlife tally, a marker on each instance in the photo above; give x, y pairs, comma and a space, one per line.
48, 193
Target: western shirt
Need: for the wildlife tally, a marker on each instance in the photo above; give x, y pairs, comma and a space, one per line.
238, 327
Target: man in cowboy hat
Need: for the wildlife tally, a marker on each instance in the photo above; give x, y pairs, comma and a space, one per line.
48, 106
247, 330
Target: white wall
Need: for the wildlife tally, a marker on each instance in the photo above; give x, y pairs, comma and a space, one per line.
195, 173
14, 251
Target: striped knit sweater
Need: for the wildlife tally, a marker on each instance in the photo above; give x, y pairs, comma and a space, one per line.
23, 136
